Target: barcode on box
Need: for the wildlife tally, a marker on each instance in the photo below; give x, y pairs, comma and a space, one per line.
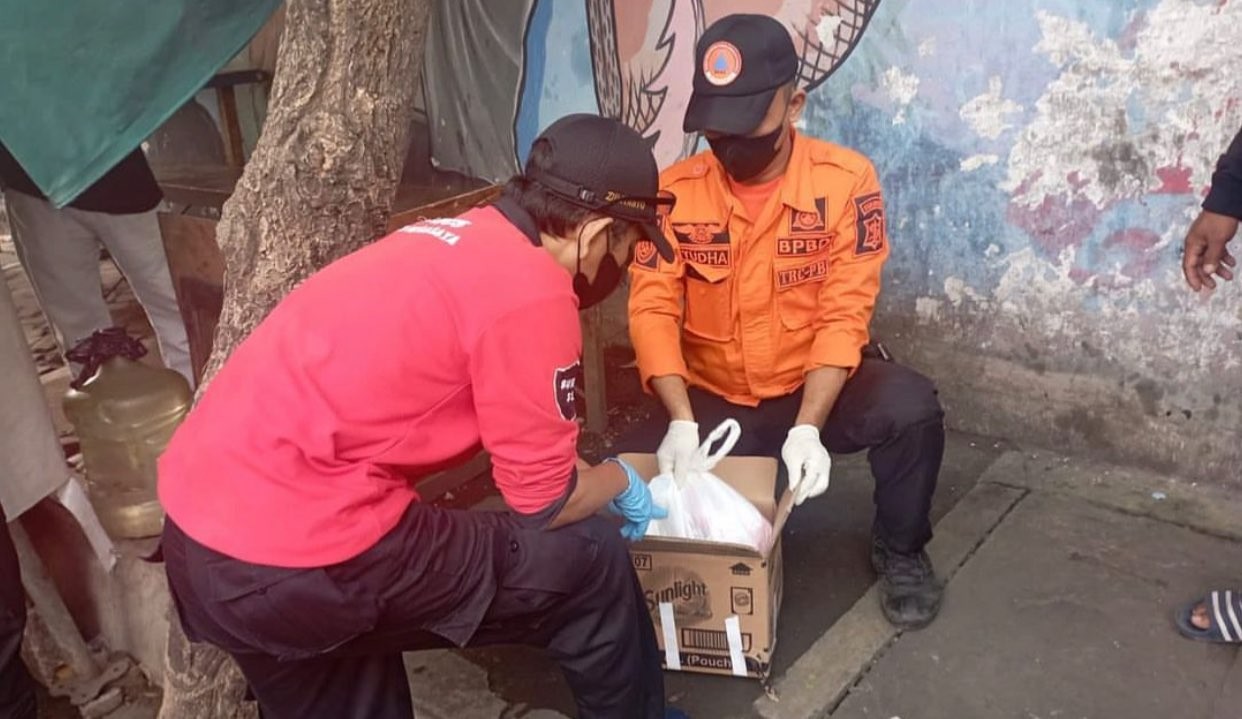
710, 640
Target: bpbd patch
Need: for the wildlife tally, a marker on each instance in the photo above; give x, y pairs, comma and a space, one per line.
870, 229
802, 246
564, 384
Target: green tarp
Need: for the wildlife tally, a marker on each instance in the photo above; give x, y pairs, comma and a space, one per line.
84, 83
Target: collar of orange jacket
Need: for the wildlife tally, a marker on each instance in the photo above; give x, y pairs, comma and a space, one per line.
796, 187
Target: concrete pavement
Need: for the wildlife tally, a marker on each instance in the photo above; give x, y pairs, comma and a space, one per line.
1062, 576
1061, 609
1063, 612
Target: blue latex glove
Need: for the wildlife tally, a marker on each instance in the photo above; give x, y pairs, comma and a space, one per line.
634, 504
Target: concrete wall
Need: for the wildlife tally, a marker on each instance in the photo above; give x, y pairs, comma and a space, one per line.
1041, 159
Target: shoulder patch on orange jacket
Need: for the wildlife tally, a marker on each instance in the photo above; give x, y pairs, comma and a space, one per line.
645, 255
870, 230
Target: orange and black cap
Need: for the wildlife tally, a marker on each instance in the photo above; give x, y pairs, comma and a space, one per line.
740, 63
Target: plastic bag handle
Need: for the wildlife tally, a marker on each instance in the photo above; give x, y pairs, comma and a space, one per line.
729, 431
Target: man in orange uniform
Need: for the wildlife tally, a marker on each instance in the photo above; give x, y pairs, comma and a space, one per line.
763, 315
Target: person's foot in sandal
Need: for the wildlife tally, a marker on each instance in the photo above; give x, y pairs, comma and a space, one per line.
1214, 618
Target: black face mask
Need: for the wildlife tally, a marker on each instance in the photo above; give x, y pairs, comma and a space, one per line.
606, 280
745, 157
607, 277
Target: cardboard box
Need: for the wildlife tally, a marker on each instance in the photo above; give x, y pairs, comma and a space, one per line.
715, 606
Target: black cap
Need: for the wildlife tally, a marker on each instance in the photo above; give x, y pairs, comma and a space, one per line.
605, 166
740, 63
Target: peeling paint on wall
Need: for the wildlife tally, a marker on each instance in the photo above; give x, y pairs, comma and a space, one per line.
827, 28
902, 88
1040, 186
990, 114
974, 162
1041, 161
1123, 119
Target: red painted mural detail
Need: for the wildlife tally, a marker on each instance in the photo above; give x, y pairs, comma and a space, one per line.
1174, 180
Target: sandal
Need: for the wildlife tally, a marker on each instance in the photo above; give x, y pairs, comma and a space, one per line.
1224, 610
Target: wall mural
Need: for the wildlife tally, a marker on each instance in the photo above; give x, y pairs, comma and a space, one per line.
1041, 162
1041, 158
496, 74
641, 52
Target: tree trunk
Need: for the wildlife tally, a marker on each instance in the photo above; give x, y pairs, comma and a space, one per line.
319, 185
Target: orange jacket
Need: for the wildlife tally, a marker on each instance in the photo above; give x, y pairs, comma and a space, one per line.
764, 300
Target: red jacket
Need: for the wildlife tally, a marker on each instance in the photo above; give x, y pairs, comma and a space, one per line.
376, 371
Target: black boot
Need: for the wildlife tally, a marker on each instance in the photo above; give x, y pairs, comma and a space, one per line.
910, 594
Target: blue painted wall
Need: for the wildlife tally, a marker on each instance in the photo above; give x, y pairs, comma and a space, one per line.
1041, 160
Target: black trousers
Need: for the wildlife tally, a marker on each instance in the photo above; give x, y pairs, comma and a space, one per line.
889, 410
17, 689
327, 642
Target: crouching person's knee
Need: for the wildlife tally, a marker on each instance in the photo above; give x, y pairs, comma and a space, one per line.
612, 550
909, 400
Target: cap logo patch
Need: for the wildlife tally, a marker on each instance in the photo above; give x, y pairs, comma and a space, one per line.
613, 197
722, 63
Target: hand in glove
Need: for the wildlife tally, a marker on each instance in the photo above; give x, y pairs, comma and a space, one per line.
634, 504
807, 461
677, 451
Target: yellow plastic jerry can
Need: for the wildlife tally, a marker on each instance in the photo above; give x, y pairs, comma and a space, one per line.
124, 416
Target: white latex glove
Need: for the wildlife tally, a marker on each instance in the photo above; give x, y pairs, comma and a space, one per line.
807, 461
677, 451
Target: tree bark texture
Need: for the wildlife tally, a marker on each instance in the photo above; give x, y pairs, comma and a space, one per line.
319, 185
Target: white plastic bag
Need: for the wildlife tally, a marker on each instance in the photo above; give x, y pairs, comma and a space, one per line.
705, 507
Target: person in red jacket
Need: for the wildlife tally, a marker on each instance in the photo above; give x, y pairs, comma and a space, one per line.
295, 539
